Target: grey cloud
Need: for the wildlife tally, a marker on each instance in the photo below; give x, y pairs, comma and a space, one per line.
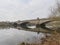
12, 10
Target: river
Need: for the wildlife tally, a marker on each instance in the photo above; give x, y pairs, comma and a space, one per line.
12, 36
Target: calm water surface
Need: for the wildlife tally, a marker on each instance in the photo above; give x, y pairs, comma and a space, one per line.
11, 36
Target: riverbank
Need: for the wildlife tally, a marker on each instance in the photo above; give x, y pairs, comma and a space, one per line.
53, 39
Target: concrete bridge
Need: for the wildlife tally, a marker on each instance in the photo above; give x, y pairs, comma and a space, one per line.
33, 21
39, 23
30, 22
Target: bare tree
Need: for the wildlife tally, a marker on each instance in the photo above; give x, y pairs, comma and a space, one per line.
55, 12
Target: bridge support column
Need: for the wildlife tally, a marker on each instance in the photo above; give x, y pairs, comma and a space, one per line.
37, 26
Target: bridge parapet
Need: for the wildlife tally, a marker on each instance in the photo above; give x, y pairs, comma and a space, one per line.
33, 21
36, 21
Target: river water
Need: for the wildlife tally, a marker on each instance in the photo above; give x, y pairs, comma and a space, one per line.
11, 36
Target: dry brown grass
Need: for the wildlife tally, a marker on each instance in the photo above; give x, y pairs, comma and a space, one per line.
54, 39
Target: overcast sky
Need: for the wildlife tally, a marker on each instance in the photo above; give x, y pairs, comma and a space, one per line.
12, 10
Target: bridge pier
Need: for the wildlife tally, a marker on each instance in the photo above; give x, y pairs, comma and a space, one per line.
37, 25
15, 24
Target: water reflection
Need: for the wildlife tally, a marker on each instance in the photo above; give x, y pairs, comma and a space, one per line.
12, 36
